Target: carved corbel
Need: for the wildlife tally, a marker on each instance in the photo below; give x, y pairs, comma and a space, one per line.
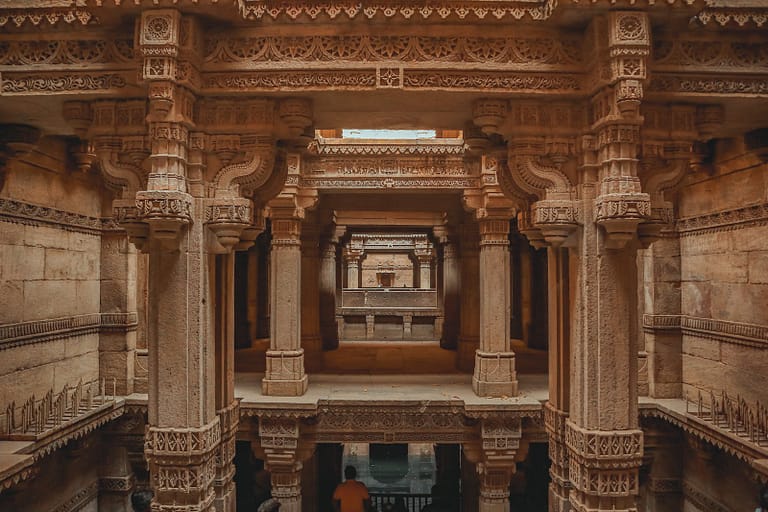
16, 140
489, 114
555, 214
79, 116
663, 173
296, 114
127, 180
228, 215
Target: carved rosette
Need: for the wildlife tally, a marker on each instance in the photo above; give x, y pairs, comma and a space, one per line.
629, 48
182, 466
603, 465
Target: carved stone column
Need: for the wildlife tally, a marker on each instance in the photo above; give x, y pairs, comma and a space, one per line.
284, 458
451, 294
227, 408
556, 409
664, 454
352, 262
469, 322
117, 340
116, 480
495, 459
494, 373
604, 442
328, 280
285, 374
310, 294
285, 358
425, 258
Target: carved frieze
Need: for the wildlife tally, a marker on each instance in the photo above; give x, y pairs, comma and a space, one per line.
494, 10
255, 51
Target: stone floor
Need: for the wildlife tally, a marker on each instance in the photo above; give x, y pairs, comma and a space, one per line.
455, 388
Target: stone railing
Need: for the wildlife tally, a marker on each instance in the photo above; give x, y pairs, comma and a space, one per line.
735, 415
397, 298
36, 418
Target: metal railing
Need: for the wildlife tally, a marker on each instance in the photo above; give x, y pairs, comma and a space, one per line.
413, 502
37, 416
735, 415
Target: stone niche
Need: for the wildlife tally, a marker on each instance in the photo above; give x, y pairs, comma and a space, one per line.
387, 270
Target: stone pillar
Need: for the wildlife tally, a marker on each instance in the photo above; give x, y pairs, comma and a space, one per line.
604, 441
285, 358
494, 373
407, 326
451, 294
284, 456
227, 408
664, 453
253, 292
310, 295
556, 409
116, 480
352, 262
495, 461
328, 266
425, 258
663, 338
117, 338
370, 326
469, 309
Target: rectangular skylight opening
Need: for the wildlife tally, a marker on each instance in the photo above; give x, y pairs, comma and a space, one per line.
349, 133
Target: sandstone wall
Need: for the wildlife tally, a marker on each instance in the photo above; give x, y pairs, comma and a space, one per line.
724, 276
50, 277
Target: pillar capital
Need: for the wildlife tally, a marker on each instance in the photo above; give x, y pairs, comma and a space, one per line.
494, 230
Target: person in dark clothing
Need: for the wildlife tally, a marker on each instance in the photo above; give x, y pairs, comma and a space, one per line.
141, 501
438, 502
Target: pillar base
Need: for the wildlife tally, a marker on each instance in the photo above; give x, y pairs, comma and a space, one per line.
285, 373
495, 374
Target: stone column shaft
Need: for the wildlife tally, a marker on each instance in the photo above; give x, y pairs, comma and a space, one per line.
425, 273
116, 480
353, 270
603, 439
451, 295
494, 373
117, 345
555, 412
252, 292
310, 298
328, 327
285, 374
227, 406
469, 309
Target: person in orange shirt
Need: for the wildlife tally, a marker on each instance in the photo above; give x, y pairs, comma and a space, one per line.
351, 496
